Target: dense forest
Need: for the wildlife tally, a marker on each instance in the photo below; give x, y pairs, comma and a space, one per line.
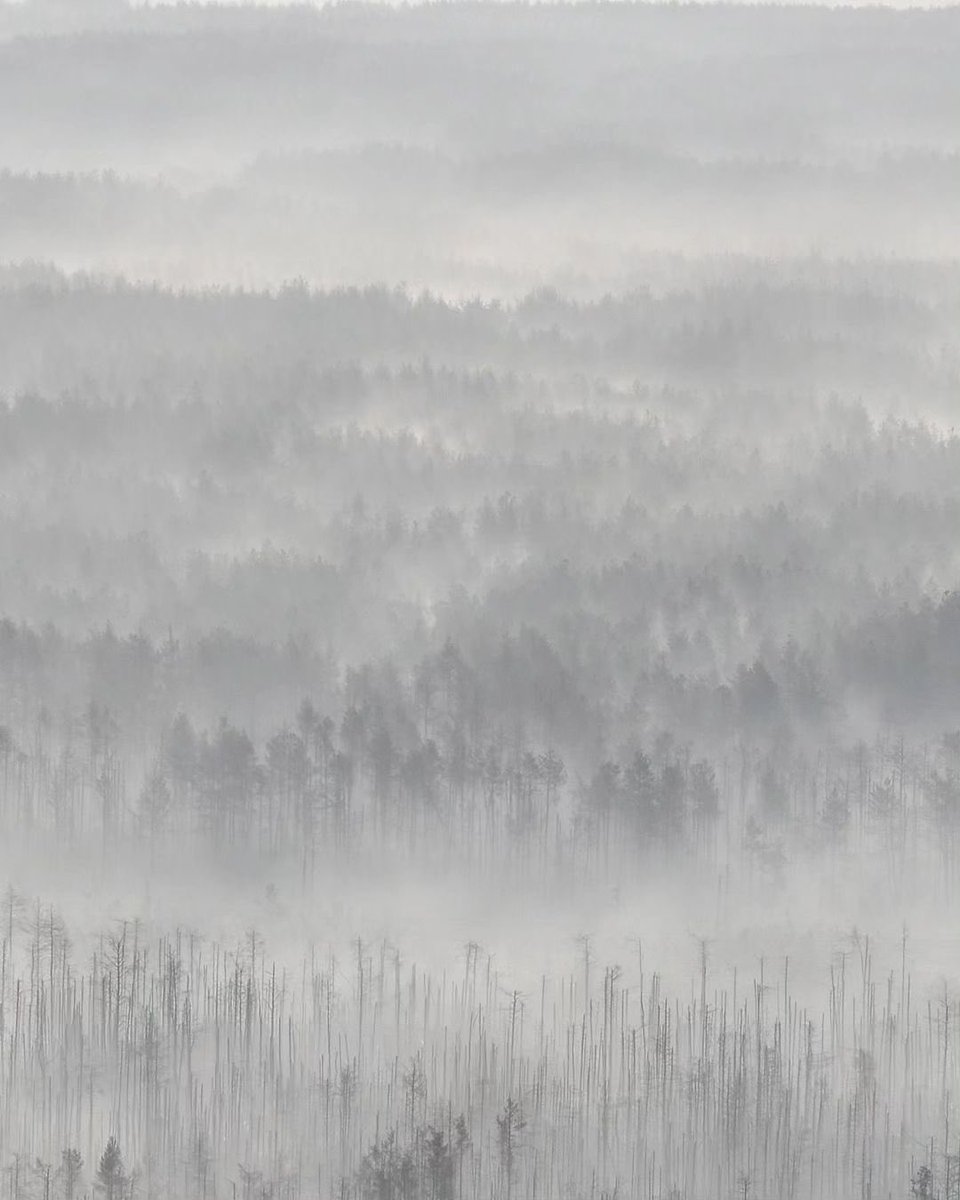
479, 602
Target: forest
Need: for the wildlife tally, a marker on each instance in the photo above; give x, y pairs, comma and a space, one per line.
479, 601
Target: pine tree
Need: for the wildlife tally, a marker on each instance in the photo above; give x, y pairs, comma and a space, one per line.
111, 1178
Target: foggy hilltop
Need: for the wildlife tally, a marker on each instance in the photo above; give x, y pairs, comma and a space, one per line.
479, 601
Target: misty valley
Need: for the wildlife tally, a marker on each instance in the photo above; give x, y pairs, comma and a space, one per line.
479, 602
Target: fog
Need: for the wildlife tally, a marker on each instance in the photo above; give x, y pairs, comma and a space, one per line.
479, 601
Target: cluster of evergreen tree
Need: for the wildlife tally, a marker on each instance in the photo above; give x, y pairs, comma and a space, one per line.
599, 581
